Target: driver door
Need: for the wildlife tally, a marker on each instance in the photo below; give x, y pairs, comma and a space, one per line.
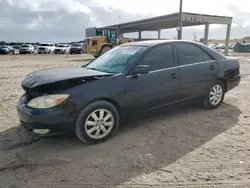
157, 88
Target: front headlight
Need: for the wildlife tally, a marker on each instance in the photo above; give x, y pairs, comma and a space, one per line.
47, 101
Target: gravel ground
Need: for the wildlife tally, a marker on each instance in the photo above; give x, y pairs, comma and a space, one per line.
185, 147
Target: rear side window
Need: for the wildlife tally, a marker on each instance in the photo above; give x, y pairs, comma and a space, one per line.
159, 57
188, 54
207, 57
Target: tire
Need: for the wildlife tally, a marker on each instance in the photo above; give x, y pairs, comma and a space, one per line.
85, 115
104, 50
210, 103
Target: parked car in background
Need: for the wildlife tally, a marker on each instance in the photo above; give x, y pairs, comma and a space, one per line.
76, 48
36, 47
220, 46
16, 47
62, 49
46, 48
4, 49
214, 47
26, 49
132, 78
231, 46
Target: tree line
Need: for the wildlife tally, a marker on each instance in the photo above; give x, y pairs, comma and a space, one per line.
32, 43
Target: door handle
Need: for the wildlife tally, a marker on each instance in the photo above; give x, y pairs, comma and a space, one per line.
212, 67
173, 75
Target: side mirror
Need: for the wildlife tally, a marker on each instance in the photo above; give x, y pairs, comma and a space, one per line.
141, 69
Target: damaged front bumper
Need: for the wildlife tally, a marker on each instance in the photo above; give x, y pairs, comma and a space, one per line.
45, 122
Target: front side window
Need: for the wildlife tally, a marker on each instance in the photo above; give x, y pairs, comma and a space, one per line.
160, 57
117, 59
188, 54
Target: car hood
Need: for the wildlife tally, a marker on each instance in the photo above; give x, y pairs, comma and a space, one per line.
52, 75
43, 47
24, 48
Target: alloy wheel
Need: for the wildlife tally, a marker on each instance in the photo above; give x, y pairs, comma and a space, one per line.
216, 94
99, 124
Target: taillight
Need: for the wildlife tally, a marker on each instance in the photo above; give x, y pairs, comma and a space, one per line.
238, 62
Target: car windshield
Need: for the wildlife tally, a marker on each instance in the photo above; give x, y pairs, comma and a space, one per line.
3, 46
77, 45
117, 59
61, 45
25, 46
44, 44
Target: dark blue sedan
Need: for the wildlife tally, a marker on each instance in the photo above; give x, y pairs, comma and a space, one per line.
129, 79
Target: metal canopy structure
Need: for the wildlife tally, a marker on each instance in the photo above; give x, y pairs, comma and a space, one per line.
172, 21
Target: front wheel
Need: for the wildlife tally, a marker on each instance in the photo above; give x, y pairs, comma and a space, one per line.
97, 122
215, 95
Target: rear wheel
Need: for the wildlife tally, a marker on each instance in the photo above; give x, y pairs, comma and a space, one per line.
97, 122
104, 50
215, 95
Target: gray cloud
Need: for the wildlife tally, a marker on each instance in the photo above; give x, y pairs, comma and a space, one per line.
67, 20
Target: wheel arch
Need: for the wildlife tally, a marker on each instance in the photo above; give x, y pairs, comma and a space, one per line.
223, 80
111, 101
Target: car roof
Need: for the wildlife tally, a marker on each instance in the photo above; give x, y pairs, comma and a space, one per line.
150, 43
155, 42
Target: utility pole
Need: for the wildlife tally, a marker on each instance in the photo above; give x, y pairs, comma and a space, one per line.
180, 22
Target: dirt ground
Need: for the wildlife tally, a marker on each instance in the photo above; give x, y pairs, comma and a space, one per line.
185, 147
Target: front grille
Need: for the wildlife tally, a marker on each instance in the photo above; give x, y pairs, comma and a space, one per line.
57, 50
41, 48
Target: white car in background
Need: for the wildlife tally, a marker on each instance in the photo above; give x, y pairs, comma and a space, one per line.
62, 49
46, 48
26, 49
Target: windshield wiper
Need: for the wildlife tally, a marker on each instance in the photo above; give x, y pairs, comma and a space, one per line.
91, 68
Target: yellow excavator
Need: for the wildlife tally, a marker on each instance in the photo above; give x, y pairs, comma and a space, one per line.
101, 40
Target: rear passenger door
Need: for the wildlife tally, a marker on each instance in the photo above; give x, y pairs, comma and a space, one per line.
197, 69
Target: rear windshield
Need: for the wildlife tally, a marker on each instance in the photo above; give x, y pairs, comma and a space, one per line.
44, 45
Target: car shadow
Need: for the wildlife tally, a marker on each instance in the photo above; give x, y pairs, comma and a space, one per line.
141, 146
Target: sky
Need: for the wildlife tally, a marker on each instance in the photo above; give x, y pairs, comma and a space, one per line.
66, 20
